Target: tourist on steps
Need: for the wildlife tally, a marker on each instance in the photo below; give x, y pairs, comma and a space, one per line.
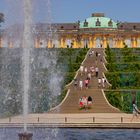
81, 103
89, 76
86, 82
75, 83
85, 102
97, 71
81, 69
92, 70
103, 82
99, 82
89, 101
81, 84
96, 54
85, 70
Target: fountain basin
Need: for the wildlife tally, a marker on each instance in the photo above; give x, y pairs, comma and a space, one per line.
25, 136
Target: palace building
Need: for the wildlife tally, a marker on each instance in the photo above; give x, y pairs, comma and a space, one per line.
93, 32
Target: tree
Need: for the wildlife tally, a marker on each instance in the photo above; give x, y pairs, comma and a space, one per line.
1, 17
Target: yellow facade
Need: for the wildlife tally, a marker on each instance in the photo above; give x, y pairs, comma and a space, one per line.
62, 43
104, 42
134, 42
75, 43
91, 41
94, 42
117, 43
49, 44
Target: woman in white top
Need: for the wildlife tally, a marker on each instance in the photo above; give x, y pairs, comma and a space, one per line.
81, 84
86, 70
81, 69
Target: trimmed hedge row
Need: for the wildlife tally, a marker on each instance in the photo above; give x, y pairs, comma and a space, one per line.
123, 73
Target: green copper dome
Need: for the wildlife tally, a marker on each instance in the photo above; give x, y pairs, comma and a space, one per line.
98, 22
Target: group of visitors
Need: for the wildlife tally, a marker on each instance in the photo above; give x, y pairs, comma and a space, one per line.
81, 83
85, 102
91, 53
93, 71
86, 74
84, 83
83, 70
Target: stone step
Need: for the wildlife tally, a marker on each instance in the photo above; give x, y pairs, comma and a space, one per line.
100, 105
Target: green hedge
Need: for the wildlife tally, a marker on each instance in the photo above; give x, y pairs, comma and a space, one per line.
123, 73
120, 100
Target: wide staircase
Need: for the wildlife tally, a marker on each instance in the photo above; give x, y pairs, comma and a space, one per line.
100, 103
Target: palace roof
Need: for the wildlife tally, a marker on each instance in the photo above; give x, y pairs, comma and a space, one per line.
98, 20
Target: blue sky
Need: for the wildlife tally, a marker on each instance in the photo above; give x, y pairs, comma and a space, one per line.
73, 10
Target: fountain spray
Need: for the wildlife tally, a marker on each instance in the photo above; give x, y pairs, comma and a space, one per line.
26, 45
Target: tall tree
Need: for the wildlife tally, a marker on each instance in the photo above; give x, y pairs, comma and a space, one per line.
1, 17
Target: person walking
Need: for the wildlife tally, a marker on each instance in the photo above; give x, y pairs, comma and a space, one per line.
81, 84
85, 70
96, 54
135, 111
85, 102
99, 82
86, 82
81, 103
103, 82
81, 69
89, 101
89, 76
97, 71
75, 83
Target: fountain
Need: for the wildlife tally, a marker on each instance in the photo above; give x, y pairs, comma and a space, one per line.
19, 79
26, 57
25, 136
26, 45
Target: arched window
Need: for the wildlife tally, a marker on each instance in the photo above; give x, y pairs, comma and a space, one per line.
62, 27
74, 27
121, 26
134, 27
98, 23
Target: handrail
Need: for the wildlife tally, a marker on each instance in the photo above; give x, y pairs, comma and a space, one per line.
61, 102
75, 120
106, 80
108, 102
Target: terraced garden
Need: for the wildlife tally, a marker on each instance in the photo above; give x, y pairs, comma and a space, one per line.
124, 75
